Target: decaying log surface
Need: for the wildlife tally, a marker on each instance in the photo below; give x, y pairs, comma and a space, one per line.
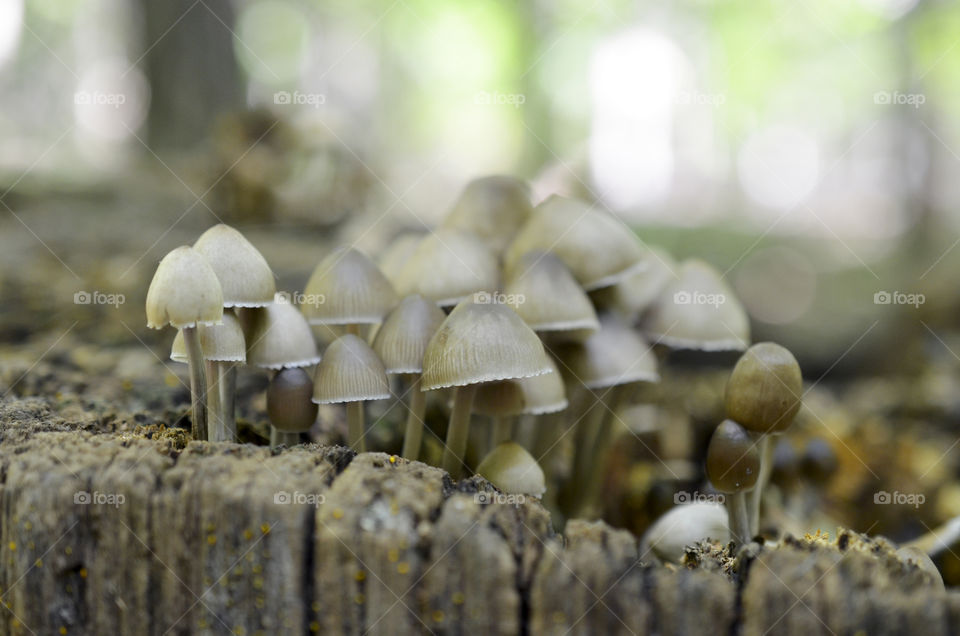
114, 533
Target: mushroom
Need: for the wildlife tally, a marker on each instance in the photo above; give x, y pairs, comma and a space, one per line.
513, 470
448, 266
184, 293
685, 525
547, 296
351, 372
493, 208
279, 337
597, 248
222, 347
476, 344
289, 406
733, 465
763, 395
350, 290
244, 275
636, 292
392, 258
400, 342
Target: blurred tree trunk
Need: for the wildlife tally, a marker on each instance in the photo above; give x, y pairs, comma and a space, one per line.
191, 67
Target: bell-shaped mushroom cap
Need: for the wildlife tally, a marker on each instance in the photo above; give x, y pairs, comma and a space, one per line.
686, 525
698, 310
637, 291
547, 296
493, 208
219, 343
536, 395
350, 372
611, 356
447, 267
513, 470
243, 273
404, 334
733, 461
764, 390
289, 403
393, 257
482, 343
352, 289
280, 337
597, 248
184, 291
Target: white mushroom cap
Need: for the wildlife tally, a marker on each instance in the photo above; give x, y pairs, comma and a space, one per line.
611, 356
184, 291
448, 266
404, 334
280, 337
244, 274
513, 470
686, 525
352, 289
350, 372
219, 343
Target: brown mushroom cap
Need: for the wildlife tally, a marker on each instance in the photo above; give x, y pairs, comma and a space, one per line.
493, 208
765, 388
402, 338
733, 461
279, 337
547, 296
350, 289
184, 291
289, 403
449, 266
350, 372
244, 275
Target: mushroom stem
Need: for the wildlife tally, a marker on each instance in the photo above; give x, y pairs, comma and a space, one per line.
765, 448
283, 438
739, 517
413, 436
602, 441
457, 432
355, 426
214, 407
228, 399
583, 437
354, 329
502, 430
198, 383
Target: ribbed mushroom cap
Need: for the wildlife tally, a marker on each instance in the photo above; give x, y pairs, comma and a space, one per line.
513, 470
733, 461
353, 289
764, 390
404, 334
493, 208
184, 291
289, 403
393, 257
684, 526
350, 372
482, 343
449, 266
594, 245
244, 275
219, 343
611, 356
637, 291
280, 337
698, 311
536, 395
548, 296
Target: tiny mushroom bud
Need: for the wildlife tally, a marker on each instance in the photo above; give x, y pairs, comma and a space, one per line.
733, 465
547, 296
449, 266
289, 405
244, 275
493, 208
513, 470
349, 290
684, 526
351, 372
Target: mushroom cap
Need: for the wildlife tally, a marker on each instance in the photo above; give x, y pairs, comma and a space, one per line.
482, 343
637, 291
219, 343
597, 248
350, 372
686, 525
548, 297
184, 291
404, 334
513, 470
493, 208
613, 355
393, 257
733, 461
280, 337
353, 290
698, 310
448, 266
289, 403
536, 395
244, 275
765, 388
